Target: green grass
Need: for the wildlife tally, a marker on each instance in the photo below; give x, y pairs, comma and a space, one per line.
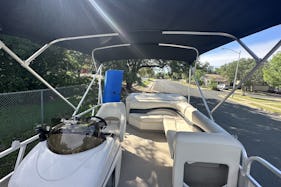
18, 122
261, 103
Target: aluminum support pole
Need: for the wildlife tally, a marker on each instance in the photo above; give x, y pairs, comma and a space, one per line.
20, 155
258, 65
247, 168
189, 83
100, 88
42, 105
236, 71
203, 97
180, 46
214, 34
197, 84
237, 65
46, 46
86, 92
86, 111
259, 61
106, 47
34, 73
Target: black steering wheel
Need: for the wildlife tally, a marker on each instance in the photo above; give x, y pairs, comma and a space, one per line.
100, 120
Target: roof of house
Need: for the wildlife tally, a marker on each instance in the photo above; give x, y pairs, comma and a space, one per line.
215, 77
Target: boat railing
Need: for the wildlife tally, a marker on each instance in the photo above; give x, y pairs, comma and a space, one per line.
21, 146
246, 170
14, 147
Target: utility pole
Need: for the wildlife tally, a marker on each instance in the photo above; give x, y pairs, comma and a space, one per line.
236, 71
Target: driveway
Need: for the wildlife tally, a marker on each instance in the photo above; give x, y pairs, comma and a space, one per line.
259, 132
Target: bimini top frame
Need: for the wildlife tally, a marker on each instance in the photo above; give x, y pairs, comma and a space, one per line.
246, 165
26, 63
98, 72
259, 62
190, 68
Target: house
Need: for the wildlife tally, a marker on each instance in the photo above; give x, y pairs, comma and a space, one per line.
209, 78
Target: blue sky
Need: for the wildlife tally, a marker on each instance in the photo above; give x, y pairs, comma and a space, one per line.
260, 43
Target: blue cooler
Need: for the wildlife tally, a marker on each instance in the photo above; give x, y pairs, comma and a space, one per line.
112, 86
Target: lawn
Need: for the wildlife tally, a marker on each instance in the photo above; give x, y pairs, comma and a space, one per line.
267, 105
18, 122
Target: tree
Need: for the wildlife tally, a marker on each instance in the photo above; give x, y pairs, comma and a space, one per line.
272, 71
245, 66
177, 69
131, 68
57, 65
146, 72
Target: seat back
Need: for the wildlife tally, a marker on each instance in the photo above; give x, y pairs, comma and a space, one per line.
206, 158
115, 110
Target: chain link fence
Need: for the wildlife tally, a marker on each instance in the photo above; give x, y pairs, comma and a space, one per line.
21, 112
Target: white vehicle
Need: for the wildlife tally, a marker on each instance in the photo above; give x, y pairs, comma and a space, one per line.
222, 87
191, 149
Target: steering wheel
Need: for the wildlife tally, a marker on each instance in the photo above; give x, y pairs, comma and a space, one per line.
100, 120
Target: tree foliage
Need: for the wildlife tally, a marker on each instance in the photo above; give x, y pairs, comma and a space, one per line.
57, 65
146, 72
272, 71
244, 67
131, 68
177, 69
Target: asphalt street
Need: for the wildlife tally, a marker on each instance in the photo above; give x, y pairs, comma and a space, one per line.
259, 132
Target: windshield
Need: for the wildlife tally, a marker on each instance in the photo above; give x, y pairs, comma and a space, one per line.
75, 138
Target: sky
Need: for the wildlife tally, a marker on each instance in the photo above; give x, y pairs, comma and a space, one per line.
260, 43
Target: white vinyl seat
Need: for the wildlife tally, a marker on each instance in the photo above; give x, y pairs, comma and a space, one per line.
111, 111
171, 127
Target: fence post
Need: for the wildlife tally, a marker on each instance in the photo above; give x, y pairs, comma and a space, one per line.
42, 106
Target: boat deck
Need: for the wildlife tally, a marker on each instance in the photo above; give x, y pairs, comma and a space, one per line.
146, 160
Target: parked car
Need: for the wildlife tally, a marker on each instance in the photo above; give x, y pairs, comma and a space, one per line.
222, 87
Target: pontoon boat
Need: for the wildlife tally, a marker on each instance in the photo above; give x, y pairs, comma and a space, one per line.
167, 142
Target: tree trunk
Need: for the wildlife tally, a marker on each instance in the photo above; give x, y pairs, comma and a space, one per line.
129, 86
243, 88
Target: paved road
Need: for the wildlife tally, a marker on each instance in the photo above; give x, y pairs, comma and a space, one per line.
259, 132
